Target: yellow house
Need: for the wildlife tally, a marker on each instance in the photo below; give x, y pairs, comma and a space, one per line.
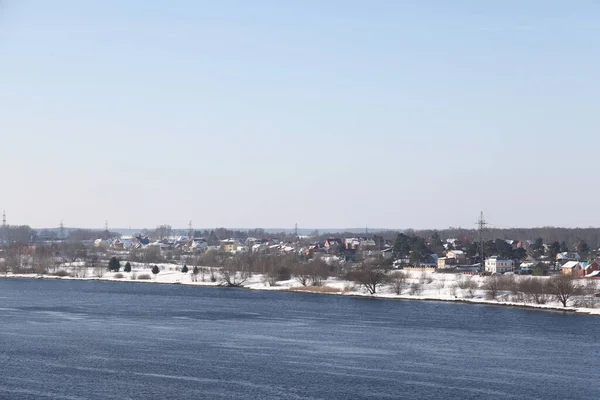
229, 246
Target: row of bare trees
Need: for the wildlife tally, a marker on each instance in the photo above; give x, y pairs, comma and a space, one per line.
541, 290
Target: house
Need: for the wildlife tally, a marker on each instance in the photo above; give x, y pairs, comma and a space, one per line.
199, 245
452, 259
387, 253
529, 267
589, 266
368, 244
316, 248
567, 256
352, 243
458, 255
442, 263
333, 244
229, 245
498, 265
572, 269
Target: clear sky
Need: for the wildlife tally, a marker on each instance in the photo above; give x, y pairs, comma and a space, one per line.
328, 113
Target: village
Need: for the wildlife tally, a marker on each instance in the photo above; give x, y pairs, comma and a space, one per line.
530, 257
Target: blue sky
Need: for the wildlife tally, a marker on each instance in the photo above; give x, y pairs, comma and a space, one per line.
328, 113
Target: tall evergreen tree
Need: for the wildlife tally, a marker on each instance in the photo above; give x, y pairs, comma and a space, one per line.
114, 264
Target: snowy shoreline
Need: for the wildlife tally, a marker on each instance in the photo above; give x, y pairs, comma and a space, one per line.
330, 287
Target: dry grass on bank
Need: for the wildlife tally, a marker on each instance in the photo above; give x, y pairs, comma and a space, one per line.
318, 289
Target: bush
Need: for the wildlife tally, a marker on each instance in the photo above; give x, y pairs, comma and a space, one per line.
143, 277
127, 267
398, 280
61, 273
284, 274
155, 270
184, 269
416, 289
118, 276
469, 286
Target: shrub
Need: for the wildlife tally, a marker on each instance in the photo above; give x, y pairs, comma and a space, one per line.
398, 280
416, 289
155, 270
284, 274
468, 286
127, 267
61, 273
143, 277
118, 276
184, 269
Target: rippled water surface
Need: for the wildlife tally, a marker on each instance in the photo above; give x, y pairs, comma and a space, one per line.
102, 340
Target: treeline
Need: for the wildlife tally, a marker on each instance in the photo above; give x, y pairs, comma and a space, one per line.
571, 236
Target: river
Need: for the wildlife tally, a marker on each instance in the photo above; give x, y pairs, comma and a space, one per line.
104, 340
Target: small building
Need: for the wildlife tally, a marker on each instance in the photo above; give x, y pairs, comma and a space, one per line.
229, 245
498, 265
333, 245
589, 266
567, 256
199, 245
572, 269
459, 256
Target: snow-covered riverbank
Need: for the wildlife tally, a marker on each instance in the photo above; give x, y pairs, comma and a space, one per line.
431, 286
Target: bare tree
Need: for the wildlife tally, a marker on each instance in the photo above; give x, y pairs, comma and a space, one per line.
468, 286
99, 271
302, 274
590, 289
454, 289
398, 280
416, 288
440, 284
4, 266
370, 275
536, 289
318, 270
74, 251
234, 272
493, 285
425, 278
563, 288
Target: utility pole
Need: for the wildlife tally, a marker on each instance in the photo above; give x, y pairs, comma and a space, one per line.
481, 228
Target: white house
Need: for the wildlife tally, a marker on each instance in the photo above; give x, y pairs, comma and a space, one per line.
498, 265
199, 244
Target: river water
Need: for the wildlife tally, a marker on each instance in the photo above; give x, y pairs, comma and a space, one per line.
102, 340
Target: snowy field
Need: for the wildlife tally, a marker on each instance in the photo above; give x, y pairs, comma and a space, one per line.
418, 285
